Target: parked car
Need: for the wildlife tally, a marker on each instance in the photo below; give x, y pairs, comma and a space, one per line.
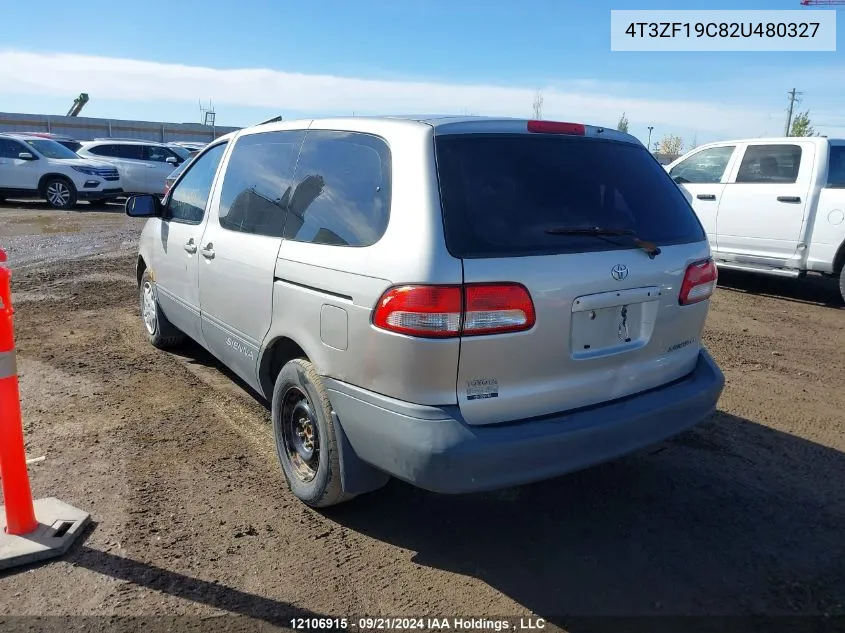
168, 182
465, 303
771, 206
68, 141
143, 165
36, 167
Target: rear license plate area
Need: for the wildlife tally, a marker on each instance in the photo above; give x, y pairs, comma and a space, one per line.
612, 323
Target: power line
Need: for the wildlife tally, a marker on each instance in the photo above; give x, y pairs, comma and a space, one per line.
794, 96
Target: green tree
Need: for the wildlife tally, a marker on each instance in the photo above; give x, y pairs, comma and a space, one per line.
671, 144
801, 125
622, 126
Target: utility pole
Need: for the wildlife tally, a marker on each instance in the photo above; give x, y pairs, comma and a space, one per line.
793, 98
650, 128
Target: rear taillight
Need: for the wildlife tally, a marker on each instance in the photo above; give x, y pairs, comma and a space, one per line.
699, 282
447, 311
556, 127
421, 311
497, 308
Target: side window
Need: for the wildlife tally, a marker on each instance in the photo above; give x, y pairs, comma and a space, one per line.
704, 167
158, 154
190, 195
258, 181
10, 148
770, 164
342, 191
836, 167
103, 150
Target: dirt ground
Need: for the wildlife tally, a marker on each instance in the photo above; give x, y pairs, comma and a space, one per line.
745, 514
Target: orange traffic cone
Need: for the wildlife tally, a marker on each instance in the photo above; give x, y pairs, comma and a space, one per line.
33, 530
20, 513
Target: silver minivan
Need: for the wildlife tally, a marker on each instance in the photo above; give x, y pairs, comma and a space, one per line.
463, 303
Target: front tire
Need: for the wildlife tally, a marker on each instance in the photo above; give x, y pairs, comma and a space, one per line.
159, 331
60, 193
304, 434
842, 283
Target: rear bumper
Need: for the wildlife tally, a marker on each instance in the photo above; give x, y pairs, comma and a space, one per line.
432, 448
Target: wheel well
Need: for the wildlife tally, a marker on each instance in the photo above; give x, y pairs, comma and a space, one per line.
140, 267
42, 183
274, 358
839, 260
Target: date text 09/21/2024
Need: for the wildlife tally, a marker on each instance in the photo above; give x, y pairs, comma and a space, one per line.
366, 624
801, 30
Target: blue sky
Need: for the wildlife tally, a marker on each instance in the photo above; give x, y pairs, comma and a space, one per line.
258, 58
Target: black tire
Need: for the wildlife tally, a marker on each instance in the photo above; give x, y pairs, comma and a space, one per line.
315, 482
60, 193
2, 200
159, 331
842, 283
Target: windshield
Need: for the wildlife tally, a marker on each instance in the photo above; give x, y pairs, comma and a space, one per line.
505, 194
51, 149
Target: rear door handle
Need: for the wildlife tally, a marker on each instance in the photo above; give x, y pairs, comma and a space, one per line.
789, 199
190, 246
208, 251
706, 196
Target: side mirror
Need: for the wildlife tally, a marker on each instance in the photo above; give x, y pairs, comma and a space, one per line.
26, 156
172, 160
143, 206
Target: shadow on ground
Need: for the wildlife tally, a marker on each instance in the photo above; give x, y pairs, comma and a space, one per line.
114, 206
731, 518
812, 289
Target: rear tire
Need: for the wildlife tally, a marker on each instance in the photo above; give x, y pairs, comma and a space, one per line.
304, 434
60, 193
159, 331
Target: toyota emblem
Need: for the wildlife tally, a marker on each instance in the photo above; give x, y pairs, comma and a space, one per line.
619, 272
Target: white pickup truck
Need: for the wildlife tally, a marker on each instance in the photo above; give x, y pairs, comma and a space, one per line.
774, 206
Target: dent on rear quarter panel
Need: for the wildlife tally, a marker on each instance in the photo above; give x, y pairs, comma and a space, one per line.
412, 251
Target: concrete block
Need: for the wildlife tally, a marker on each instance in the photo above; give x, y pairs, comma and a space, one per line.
59, 525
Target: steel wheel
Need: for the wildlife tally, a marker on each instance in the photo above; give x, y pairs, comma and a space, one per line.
300, 436
148, 307
58, 193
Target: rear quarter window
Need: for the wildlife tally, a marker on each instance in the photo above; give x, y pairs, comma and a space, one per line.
501, 194
343, 189
836, 167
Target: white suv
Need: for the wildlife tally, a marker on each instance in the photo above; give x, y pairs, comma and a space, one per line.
36, 167
143, 165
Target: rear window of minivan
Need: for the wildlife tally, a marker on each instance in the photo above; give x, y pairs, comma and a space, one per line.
501, 194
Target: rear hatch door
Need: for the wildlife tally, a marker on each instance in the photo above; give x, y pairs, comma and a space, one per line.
523, 207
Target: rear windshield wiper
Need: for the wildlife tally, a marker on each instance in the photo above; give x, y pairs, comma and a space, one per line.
596, 231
